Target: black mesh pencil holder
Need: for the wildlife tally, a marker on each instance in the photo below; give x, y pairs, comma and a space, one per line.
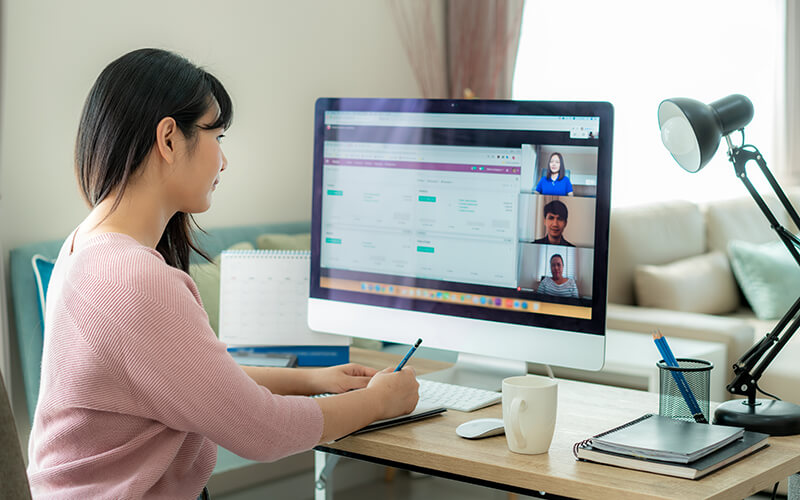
671, 399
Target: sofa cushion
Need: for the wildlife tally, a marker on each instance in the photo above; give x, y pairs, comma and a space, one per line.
42, 270
654, 234
793, 193
206, 277
760, 326
701, 284
278, 241
780, 377
741, 219
768, 276
218, 239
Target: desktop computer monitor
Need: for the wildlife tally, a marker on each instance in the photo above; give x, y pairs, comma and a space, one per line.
479, 226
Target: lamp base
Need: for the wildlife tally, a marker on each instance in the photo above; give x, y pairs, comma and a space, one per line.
770, 416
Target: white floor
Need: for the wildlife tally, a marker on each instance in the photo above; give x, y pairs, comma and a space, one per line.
404, 486
355, 480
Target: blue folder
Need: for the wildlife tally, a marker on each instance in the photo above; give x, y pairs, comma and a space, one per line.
307, 355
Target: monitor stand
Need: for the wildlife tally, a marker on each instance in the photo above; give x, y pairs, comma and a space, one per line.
483, 372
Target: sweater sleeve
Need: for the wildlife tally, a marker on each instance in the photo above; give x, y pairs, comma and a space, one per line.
573, 288
146, 326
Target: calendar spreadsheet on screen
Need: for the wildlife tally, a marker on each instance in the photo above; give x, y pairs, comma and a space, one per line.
480, 225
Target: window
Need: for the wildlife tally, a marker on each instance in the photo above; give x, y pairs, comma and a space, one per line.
635, 54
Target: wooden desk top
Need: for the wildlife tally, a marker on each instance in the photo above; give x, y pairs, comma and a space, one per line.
583, 410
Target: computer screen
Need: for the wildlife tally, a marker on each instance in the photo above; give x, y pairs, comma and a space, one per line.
480, 226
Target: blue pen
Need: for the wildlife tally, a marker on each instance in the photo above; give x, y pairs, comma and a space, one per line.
680, 380
408, 355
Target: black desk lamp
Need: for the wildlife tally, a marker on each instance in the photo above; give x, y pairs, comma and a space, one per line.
691, 131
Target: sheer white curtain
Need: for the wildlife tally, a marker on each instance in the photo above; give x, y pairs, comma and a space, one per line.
635, 54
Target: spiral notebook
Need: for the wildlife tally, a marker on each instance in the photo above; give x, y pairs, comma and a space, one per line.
663, 445
264, 306
663, 438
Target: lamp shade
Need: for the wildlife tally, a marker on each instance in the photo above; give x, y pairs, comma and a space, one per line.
691, 130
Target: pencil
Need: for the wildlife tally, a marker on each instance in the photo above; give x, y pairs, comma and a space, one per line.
408, 355
680, 380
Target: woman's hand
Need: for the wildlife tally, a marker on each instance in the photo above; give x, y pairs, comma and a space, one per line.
388, 394
398, 391
341, 378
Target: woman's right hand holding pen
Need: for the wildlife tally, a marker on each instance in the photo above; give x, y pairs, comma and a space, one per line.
388, 394
398, 392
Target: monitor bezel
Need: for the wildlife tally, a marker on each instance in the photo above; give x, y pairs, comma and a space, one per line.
593, 326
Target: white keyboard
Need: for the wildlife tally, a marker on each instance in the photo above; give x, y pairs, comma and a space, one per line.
455, 397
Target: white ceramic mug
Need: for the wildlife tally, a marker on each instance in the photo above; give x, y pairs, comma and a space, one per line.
529, 413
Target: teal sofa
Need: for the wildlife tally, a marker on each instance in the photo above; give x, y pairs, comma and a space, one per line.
231, 472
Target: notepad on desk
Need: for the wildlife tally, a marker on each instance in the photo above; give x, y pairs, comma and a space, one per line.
422, 410
663, 438
663, 445
264, 308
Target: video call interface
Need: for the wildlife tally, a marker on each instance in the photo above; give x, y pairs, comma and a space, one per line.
494, 212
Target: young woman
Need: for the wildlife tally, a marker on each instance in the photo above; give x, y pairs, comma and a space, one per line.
555, 182
136, 391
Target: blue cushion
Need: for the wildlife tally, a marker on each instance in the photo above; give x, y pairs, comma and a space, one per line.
768, 276
42, 270
27, 323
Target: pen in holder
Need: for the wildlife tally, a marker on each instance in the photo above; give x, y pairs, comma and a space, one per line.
672, 401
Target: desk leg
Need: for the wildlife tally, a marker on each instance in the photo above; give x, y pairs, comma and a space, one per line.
794, 487
323, 475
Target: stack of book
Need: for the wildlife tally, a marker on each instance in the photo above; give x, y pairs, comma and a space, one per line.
663, 445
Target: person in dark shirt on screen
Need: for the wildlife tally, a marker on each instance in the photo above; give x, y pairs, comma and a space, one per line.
555, 220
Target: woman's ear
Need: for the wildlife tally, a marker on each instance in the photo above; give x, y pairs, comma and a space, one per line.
166, 135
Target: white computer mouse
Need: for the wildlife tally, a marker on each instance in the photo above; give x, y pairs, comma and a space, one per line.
480, 428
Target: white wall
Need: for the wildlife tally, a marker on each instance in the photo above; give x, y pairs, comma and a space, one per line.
274, 57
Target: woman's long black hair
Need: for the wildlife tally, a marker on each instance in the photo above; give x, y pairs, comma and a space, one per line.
118, 129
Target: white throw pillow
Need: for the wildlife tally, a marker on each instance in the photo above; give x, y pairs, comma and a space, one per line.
701, 284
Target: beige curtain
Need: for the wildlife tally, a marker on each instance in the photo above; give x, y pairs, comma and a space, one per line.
789, 171
461, 48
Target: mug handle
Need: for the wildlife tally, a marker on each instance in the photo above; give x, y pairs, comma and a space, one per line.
518, 405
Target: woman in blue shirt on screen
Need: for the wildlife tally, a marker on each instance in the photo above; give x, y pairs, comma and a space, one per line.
555, 182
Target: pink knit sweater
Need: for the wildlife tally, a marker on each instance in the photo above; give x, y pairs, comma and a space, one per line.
136, 390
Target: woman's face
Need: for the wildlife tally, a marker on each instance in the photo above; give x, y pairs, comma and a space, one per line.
196, 175
556, 267
555, 164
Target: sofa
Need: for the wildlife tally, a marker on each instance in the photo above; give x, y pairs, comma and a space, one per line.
713, 271
231, 472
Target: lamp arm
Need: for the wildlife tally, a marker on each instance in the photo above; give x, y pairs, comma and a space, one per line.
761, 354
772, 342
746, 373
784, 338
739, 157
